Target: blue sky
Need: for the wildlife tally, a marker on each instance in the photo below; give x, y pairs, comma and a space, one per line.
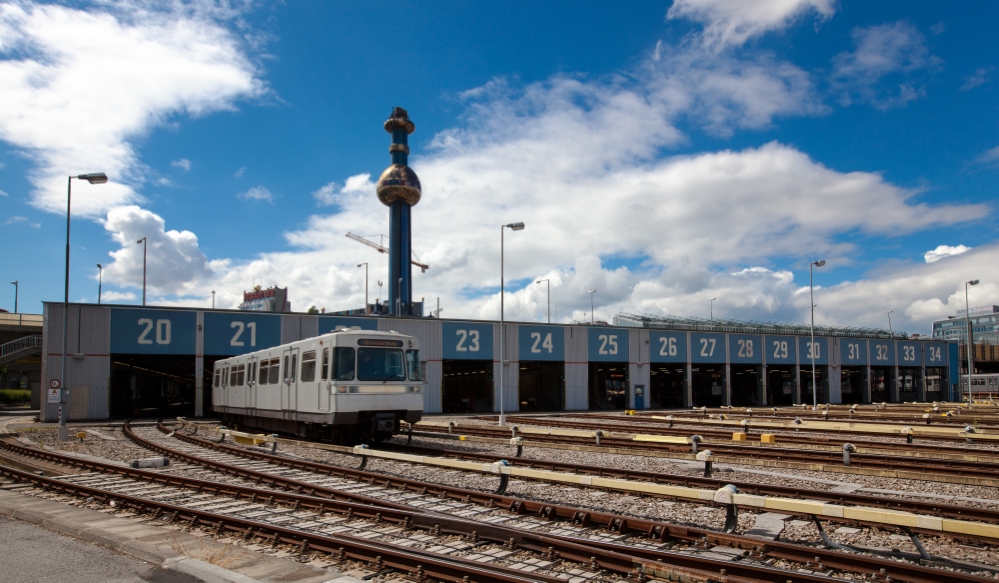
661, 153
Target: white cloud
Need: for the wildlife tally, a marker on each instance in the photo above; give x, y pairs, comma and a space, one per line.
113, 296
895, 51
2, 193
733, 22
355, 186
944, 251
184, 164
15, 219
239, 173
153, 65
175, 264
990, 156
257, 193
980, 77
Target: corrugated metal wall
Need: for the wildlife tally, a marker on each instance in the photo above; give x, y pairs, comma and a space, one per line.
88, 343
294, 327
88, 402
576, 369
429, 332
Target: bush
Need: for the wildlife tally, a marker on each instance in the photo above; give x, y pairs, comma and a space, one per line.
15, 396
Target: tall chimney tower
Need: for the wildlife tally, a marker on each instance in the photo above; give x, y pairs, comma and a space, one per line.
399, 189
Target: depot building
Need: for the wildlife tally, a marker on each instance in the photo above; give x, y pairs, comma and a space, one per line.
124, 361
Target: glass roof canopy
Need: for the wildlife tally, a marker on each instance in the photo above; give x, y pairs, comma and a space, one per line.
741, 326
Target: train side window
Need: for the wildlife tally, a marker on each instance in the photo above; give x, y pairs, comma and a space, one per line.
326, 363
413, 365
265, 367
343, 364
252, 374
287, 366
233, 377
308, 366
217, 375
275, 371
240, 374
294, 366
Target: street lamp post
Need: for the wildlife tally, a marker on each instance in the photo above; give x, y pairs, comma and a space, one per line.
591, 292
512, 227
365, 264
143, 241
971, 337
890, 331
213, 299
93, 178
549, 282
811, 351
711, 310
100, 282
16, 287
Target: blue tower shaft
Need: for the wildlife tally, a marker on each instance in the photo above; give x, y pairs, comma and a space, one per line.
400, 252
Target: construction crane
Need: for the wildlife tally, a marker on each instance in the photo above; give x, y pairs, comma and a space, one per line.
381, 249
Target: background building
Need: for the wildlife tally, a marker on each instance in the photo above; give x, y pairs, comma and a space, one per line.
984, 323
128, 361
272, 299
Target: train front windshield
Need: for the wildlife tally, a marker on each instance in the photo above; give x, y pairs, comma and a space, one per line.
380, 364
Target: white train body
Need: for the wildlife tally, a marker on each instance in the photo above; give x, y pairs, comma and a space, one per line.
347, 384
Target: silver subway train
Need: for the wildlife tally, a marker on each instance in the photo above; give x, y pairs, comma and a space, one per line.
345, 386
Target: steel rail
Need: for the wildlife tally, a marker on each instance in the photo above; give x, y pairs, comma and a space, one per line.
562, 546
343, 547
945, 510
873, 461
899, 571
725, 429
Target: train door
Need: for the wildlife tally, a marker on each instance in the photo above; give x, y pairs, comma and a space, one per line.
323, 384
224, 391
250, 399
289, 388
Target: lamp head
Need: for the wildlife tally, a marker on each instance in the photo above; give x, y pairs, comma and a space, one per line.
973, 282
820, 263
360, 264
590, 291
94, 177
516, 226
140, 240
99, 266
14, 282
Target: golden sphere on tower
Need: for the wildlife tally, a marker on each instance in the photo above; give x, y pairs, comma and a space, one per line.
399, 182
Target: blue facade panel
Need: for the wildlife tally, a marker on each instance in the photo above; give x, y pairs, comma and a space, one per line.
745, 349
607, 344
882, 353
707, 347
228, 334
820, 349
541, 342
910, 353
935, 353
955, 366
148, 331
781, 349
667, 346
853, 351
467, 341
331, 323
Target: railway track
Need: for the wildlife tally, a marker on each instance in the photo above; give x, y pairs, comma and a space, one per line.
924, 464
573, 522
724, 431
954, 511
308, 525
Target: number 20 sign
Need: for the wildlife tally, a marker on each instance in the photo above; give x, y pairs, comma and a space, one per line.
145, 331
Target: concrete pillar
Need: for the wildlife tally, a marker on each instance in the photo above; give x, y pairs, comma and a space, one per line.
199, 367
727, 395
688, 399
921, 385
797, 384
761, 396
868, 380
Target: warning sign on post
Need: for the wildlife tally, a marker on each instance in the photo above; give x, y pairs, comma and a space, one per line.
54, 395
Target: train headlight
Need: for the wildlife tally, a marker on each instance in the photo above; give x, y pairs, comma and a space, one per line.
414, 389
341, 389
352, 389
